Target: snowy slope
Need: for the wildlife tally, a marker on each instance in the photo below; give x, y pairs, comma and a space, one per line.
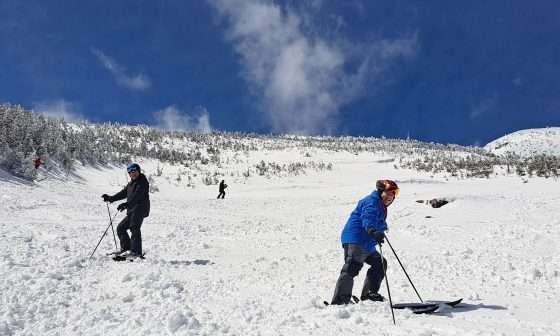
528, 142
262, 261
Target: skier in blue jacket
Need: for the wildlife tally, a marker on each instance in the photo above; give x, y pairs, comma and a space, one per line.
363, 231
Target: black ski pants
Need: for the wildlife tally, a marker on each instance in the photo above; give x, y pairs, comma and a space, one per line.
131, 222
354, 258
222, 194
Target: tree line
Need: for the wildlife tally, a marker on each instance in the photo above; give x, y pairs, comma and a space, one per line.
26, 136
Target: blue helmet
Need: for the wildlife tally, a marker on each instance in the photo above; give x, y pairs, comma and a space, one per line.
133, 167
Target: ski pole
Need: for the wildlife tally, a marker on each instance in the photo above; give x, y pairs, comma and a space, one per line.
387, 283
396, 256
112, 228
104, 233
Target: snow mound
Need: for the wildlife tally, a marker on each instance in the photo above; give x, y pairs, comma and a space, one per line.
529, 142
180, 319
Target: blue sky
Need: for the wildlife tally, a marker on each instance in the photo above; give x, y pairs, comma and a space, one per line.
443, 71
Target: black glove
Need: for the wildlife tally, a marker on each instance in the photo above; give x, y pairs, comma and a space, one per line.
378, 236
106, 198
122, 206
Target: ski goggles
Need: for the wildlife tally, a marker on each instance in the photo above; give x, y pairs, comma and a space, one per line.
131, 170
394, 191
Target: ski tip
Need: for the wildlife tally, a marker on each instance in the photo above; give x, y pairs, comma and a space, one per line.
454, 303
325, 303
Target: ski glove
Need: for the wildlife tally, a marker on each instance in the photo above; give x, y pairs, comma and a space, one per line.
378, 236
122, 206
106, 198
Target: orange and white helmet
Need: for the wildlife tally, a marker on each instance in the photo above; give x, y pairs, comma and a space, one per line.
387, 185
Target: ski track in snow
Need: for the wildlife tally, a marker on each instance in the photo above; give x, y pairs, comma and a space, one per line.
262, 261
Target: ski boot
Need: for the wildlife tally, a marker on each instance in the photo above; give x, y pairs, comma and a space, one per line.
373, 297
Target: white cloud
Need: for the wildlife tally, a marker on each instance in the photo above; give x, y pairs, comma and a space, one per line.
137, 82
59, 109
300, 78
391, 49
172, 119
484, 106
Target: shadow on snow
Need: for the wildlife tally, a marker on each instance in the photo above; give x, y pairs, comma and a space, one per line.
467, 307
190, 262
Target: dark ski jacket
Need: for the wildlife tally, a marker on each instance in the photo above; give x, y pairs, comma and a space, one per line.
369, 213
137, 194
223, 187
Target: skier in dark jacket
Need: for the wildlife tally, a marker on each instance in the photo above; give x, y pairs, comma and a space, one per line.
137, 207
363, 231
222, 189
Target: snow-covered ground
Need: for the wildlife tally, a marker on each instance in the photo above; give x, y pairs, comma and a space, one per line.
262, 261
528, 142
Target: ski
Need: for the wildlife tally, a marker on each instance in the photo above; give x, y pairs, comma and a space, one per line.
114, 253
354, 297
129, 258
416, 308
428, 304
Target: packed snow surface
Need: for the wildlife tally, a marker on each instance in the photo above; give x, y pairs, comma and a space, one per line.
261, 261
528, 142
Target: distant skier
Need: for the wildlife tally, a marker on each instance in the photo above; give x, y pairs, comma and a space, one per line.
222, 189
363, 231
37, 162
137, 207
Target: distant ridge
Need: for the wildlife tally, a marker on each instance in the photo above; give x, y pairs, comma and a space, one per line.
527, 143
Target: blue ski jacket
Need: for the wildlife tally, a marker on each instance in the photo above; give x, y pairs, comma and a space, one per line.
369, 213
